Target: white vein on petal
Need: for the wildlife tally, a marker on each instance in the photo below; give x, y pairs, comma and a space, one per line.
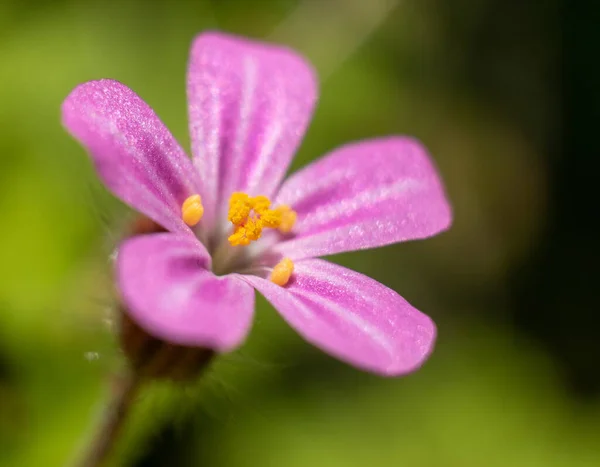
207, 139
157, 207
351, 318
273, 136
246, 111
149, 169
349, 206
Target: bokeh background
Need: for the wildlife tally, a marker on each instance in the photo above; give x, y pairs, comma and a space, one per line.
505, 95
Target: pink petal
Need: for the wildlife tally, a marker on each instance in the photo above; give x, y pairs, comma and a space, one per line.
168, 289
352, 317
364, 195
250, 104
134, 153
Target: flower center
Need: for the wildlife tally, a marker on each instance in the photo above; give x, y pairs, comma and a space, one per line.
250, 215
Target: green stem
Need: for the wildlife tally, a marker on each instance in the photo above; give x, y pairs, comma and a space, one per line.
123, 394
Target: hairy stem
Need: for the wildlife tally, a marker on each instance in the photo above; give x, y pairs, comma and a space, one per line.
123, 394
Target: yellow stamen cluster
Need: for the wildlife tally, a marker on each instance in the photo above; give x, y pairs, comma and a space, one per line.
282, 272
250, 215
192, 210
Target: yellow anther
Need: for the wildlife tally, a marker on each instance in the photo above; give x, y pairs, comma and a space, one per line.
288, 218
238, 237
249, 216
239, 208
282, 272
270, 218
192, 210
260, 203
244, 234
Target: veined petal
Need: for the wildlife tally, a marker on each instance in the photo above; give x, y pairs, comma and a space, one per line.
169, 291
249, 106
352, 317
135, 155
364, 195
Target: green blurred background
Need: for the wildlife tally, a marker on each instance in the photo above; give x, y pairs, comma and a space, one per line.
507, 108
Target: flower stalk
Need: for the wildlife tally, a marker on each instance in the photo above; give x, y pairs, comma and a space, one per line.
148, 359
124, 390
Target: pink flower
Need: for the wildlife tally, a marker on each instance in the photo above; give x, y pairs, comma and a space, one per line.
234, 226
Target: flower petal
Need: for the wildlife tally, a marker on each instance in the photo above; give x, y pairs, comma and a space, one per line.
135, 155
249, 105
364, 195
352, 317
168, 290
